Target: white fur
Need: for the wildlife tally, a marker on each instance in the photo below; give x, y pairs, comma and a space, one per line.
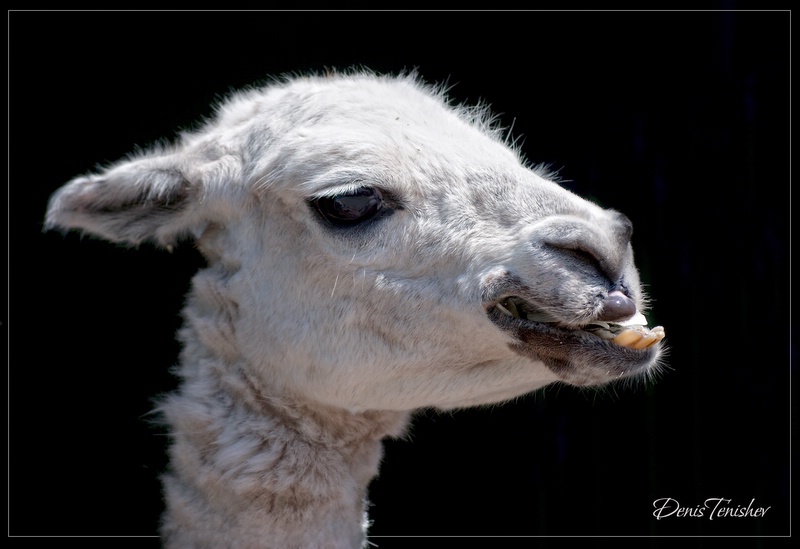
305, 345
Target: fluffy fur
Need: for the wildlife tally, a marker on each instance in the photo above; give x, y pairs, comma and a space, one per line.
306, 343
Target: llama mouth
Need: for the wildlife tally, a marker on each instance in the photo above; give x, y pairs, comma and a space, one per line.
632, 333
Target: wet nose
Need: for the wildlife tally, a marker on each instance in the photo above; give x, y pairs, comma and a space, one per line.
617, 306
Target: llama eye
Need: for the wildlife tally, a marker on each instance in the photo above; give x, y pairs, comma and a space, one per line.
351, 208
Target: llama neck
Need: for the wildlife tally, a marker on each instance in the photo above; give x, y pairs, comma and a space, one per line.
254, 470
284, 476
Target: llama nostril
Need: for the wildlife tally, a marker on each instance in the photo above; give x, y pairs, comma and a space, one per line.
617, 306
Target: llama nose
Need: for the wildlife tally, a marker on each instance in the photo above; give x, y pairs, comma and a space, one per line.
617, 306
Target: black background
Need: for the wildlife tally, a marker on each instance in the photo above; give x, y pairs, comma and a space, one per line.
679, 119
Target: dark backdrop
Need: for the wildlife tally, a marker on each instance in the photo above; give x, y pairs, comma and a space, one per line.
678, 119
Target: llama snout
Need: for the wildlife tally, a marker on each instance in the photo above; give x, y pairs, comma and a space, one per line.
582, 265
617, 306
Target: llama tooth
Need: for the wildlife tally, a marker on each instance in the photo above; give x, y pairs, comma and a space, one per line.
639, 337
648, 339
638, 319
659, 332
627, 337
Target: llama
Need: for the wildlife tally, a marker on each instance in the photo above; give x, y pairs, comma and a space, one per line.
371, 250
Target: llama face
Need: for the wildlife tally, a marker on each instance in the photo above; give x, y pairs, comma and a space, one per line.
371, 247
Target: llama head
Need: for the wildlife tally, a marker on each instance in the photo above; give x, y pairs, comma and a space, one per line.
370, 246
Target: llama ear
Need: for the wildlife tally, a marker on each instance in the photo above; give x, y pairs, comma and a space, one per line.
146, 198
